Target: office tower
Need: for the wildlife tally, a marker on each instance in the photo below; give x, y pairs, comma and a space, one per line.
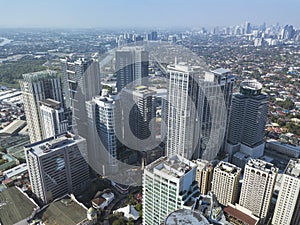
142, 112
152, 36
131, 65
196, 119
257, 188
57, 167
287, 209
247, 120
287, 32
225, 79
53, 118
247, 28
81, 79
101, 120
36, 87
181, 122
204, 175
225, 183
168, 184
81, 76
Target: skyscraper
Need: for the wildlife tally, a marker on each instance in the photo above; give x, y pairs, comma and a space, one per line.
248, 119
57, 167
101, 115
225, 79
142, 114
80, 75
131, 65
81, 79
36, 87
247, 28
181, 111
196, 119
287, 209
225, 183
53, 118
168, 184
204, 175
257, 188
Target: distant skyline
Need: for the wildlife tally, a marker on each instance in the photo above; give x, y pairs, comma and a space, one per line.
146, 13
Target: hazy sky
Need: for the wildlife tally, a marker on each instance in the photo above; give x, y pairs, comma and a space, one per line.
146, 13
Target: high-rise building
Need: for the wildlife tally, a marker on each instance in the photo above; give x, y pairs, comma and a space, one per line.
247, 28
131, 66
204, 175
101, 119
225, 183
53, 118
287, 32
248, 119
287, 209
57, 167
80, 76
181, 111
142, 114
36, 87
81, 81
257, 188
225, 79
152, 36
168, 184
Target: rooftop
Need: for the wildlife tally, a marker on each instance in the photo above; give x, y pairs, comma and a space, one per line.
15, 206
241, 214
51, 103
175, 166
242, 156
203, 164
228, 168
105, 99
293, 168
35, 76
98, 201
262, 165
181, 67
140, 91
64, 212
221, 71
13, 127
251, 85
22, 168
52, 144
185, 216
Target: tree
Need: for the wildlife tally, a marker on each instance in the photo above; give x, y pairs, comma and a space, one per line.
12, 71
131, 199
3, 150
130, 221
287, 104
119, 221
139, 208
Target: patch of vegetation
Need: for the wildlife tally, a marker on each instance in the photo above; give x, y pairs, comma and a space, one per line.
293, 128
117, 219
287, 104
3, 161
11, 72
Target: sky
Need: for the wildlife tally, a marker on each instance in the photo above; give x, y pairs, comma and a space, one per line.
146, 13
